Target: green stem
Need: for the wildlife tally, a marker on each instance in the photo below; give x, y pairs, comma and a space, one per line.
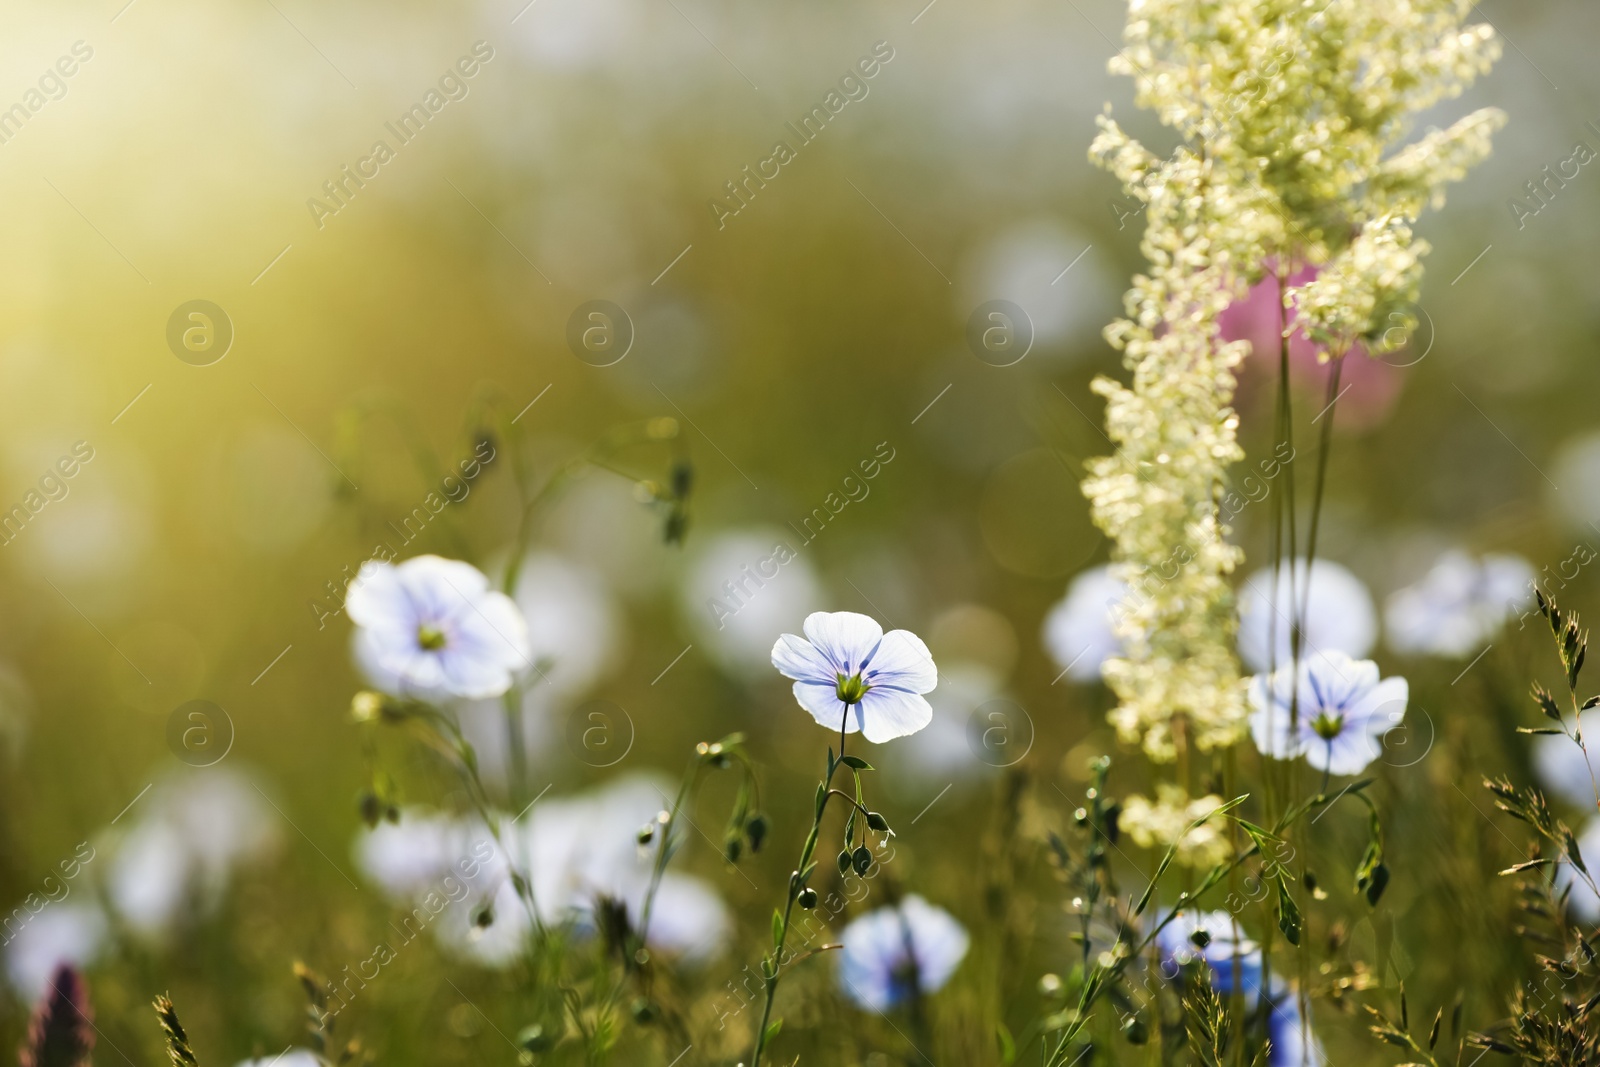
516, 744
771, 971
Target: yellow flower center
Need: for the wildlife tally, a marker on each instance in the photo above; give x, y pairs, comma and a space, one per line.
1328, 725
852, 689
430, 638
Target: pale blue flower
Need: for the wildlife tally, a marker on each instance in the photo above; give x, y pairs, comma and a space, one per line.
1293, 1043
1459, 605
846, 662
895, 951
432, 628
1343, 712
1078, 632
1339, 614
1584, 904
1566, 769
1230, 954
1226, 949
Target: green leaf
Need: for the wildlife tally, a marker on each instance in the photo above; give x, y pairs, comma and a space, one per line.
772, 1032
777, 926
855, 762
822, 798
1540, 730
1008, 1044
1288, 913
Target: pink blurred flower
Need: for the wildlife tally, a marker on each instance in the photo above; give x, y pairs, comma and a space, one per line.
1369, 386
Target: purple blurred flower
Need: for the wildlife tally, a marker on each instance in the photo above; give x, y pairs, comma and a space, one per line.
1372, 385
61, 1033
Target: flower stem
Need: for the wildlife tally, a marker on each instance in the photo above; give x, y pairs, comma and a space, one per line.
770, 967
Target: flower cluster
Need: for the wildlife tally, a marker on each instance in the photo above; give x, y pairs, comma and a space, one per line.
1170, 820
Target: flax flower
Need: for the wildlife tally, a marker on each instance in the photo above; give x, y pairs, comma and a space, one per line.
1334, 714
431, 628
896, 952
847, 664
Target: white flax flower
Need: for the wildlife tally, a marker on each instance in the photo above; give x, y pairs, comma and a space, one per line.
1080, 631
1334, 714
432, 628
846, 663
1338, 614
896, 952
1459, 605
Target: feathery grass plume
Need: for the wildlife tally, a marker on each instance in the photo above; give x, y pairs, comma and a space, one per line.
178, 1050
1552, 1020
1291, 115
61, 1033
1163, 822
1205, 1019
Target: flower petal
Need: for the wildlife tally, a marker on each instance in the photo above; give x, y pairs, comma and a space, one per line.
938, 942
1380, 708
797, 658
886, 714
1269, 721
823, 702
376, 597
845, 638
904, 662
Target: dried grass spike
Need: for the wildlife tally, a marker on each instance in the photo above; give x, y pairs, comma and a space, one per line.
178, 1050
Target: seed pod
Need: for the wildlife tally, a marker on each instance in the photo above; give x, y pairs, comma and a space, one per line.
370, 806
861, 859
755, 828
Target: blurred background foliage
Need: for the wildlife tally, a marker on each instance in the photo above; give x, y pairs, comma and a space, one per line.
819, 322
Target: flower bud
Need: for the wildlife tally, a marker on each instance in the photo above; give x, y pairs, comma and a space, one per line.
807, 898
533, 1039
647, 833
844, 860
876, 821
370, 806
755, 828
861, 859
366, 706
